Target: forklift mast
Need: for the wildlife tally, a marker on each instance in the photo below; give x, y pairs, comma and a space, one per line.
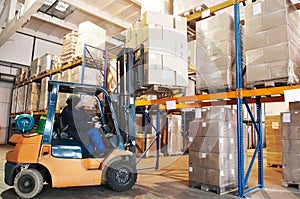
130, 75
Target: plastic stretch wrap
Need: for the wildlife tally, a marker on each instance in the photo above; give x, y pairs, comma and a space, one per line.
272, 38
213, 147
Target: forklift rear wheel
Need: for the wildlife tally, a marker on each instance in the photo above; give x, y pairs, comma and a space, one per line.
121, 176
28, 183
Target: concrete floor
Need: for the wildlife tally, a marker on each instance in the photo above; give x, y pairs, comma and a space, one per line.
171, 181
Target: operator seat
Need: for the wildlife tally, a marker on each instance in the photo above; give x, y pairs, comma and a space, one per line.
62, 128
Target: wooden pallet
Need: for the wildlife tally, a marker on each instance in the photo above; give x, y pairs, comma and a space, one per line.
267, 83
225, 88
160, 91
215, 189
275, 165
290, 184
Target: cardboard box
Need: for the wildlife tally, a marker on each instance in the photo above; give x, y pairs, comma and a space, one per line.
256, 56
220, 178
220, 129
180, 23
157, 18
160, 77
290, 167
219, 161
197, 175
290, 132
33, 96
280, 69
254, 25
274, 158
258, 40
290, 146
277, 52
207, 145
195, 160
259, 72
43, 103
292, 117
46, 62
192, 48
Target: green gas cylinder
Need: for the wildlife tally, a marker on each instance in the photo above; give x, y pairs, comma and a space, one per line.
41, 124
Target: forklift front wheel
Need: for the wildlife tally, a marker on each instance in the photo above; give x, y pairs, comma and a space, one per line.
121, 176
28, 183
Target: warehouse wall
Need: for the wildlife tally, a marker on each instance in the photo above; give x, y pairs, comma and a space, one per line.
5, 100
19, 49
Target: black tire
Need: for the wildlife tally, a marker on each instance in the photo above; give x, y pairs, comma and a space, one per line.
28, 183
121, 176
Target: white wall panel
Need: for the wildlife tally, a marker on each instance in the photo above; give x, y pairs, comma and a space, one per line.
18, 49
42, 47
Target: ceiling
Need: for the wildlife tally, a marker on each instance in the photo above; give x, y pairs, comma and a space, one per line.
113, 15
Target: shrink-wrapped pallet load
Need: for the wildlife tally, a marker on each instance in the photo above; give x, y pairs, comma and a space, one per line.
166, 53
271, 41
213, 150
290, 130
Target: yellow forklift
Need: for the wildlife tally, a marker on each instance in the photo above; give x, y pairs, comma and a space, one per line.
50, 158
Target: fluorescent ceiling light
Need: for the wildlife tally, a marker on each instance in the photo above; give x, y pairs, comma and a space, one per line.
62, 6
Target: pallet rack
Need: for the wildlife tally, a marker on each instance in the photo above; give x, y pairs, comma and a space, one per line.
238, 98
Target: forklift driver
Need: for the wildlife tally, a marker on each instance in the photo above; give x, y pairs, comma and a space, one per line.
80, 126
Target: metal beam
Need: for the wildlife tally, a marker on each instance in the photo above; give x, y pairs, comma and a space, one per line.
137, 2
30, 7
55, 21
215, 8
97, 13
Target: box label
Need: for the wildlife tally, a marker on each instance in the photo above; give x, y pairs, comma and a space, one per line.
198, 113
191, 169
256, 9
191, 139
286, 117
204, 124
275, 125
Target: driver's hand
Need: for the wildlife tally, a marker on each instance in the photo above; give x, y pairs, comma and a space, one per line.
95, 119
97, 125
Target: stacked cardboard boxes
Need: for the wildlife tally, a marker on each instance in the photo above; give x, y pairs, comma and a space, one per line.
33, 95
69, 47
215, 53
42, 64
273, 140
43, 101
21, 99
213, 149
160, 6
93, 35
272, 38
175, 141
166, 53
290, 129
14, 101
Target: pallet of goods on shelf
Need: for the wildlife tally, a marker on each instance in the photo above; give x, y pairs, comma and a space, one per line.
273, 140
213, 150
166, 53
21, 99
14, 101
290, 129
272, 43
33, 96
215, 46
88, 33
43, 100
43, 64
